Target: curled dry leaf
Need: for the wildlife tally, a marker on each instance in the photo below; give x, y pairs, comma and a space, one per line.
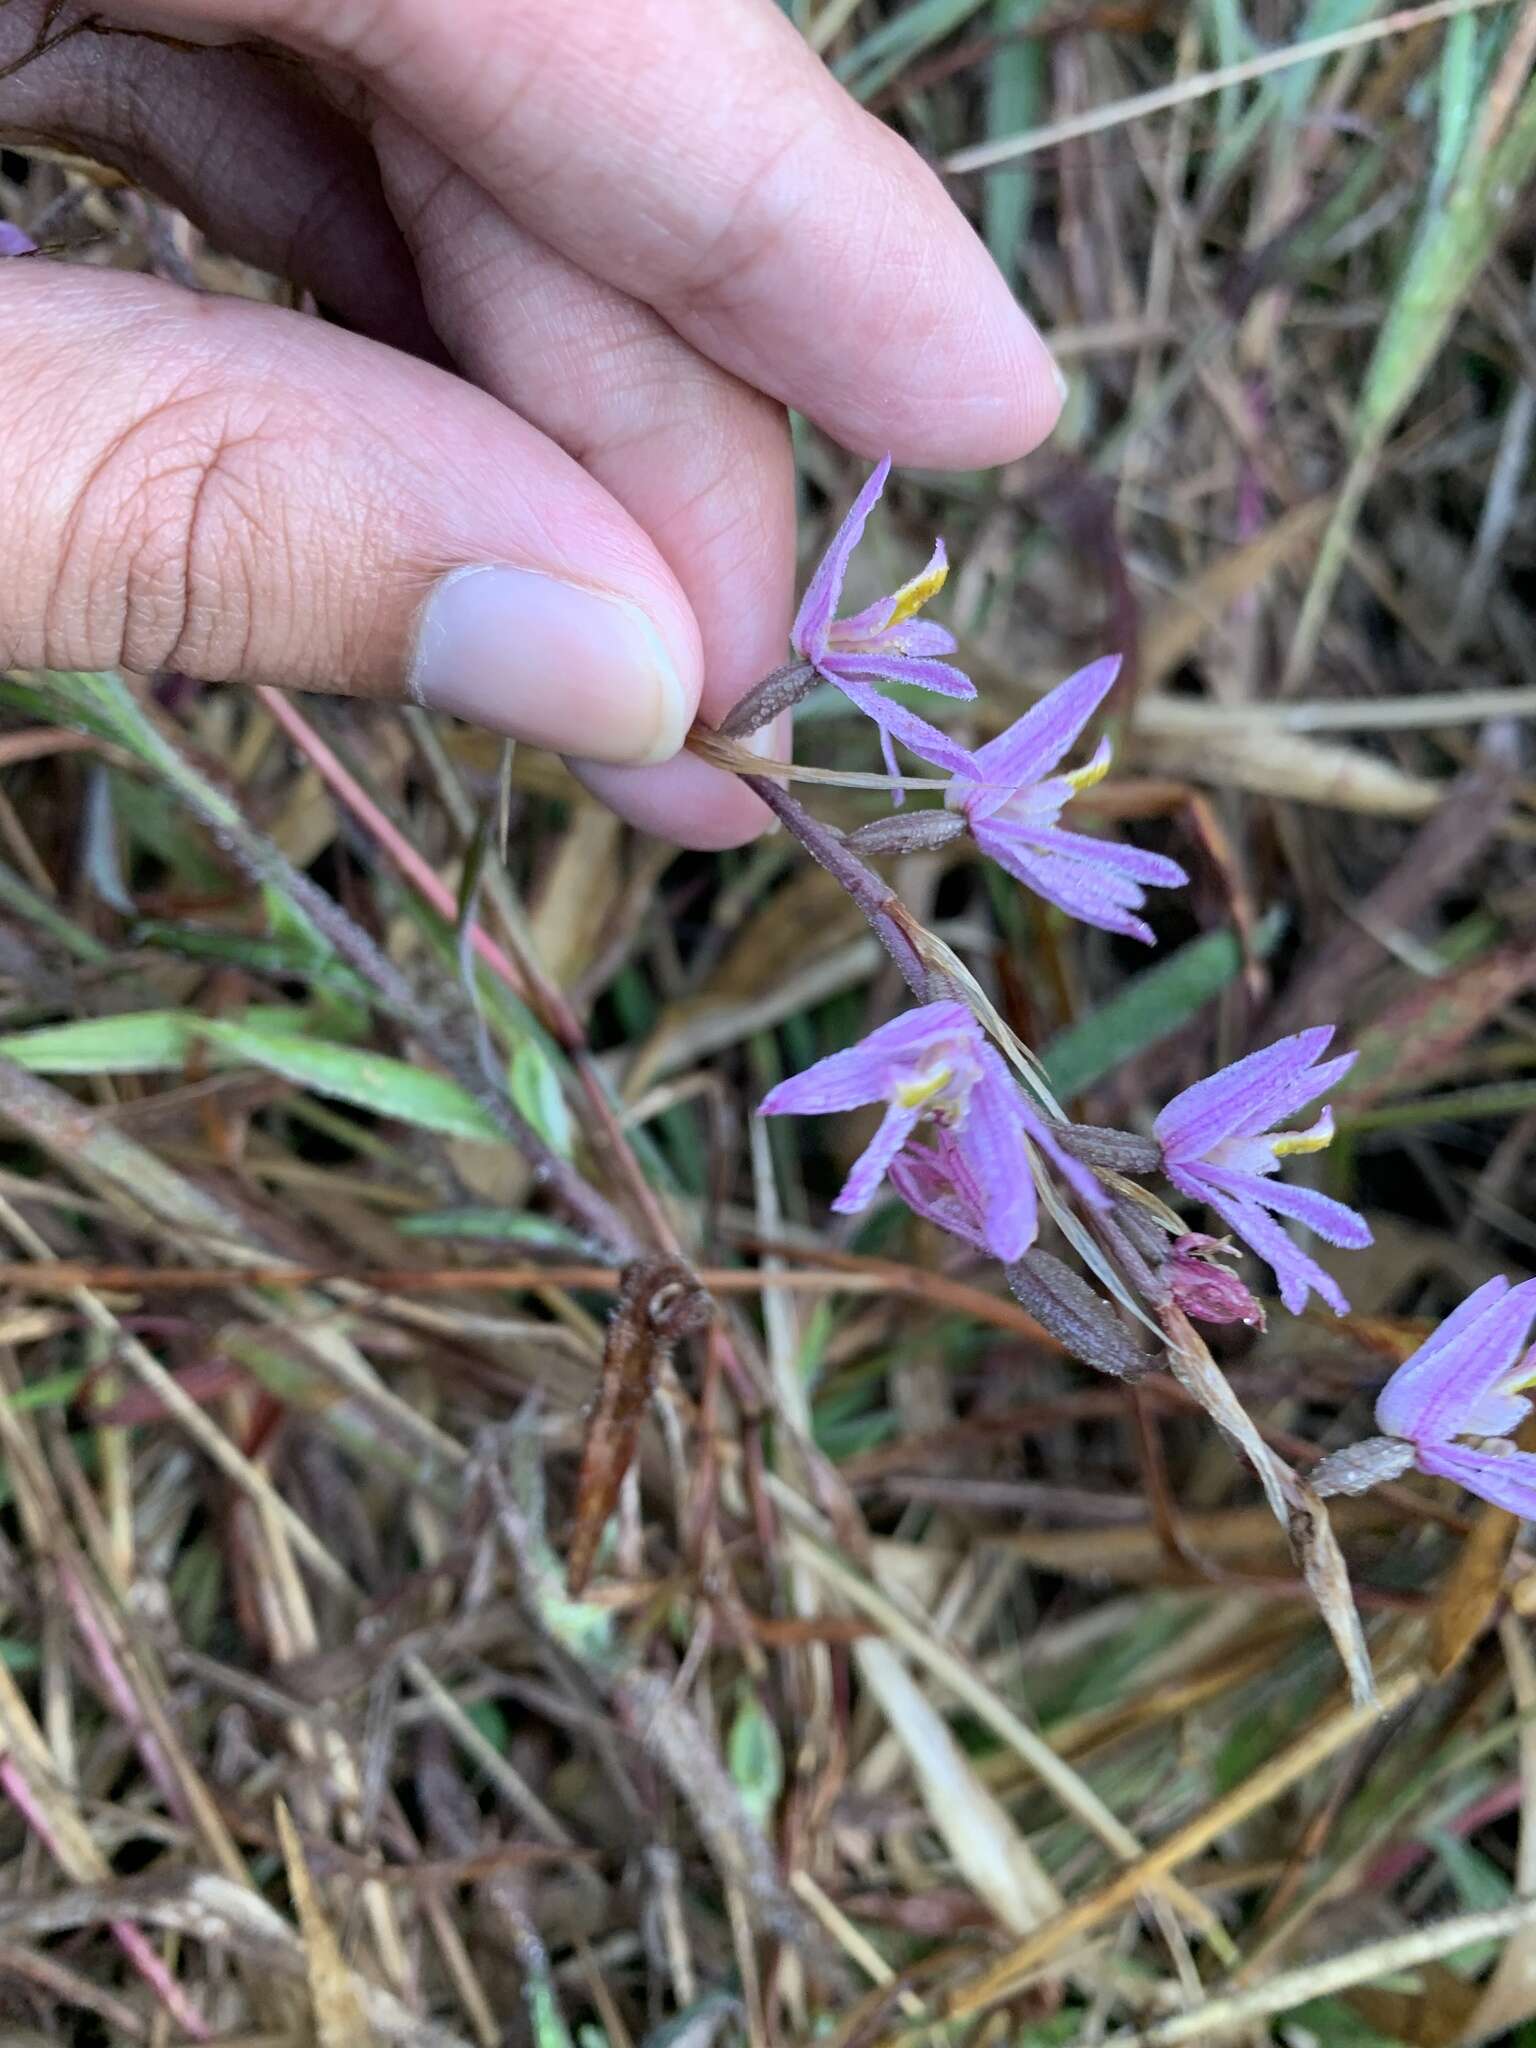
659, 1304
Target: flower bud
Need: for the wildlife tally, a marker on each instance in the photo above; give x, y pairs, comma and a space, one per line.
1083, 1322
1359, 1467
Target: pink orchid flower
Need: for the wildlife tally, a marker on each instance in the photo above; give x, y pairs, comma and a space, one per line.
1220, 1147
934, 1065
885, 642
1012, 801
1465, 1381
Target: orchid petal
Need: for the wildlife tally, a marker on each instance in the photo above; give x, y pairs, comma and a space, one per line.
1456, 1374
924, 739
1036, 742
1505, 1481
862, 1185
915, 636
909, 600
1073, 886
1152, 869
843, 1080
813, 621
892, 767
878, 622
921, 636
1085, 1184
1239, 1099
991, 1141
1293, 1270
863, 1073
1291, 1096
1332, 1221
939, 676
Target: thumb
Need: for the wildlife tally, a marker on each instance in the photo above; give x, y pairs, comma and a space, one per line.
237, 492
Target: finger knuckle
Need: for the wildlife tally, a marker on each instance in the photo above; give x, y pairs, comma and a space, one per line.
163, 547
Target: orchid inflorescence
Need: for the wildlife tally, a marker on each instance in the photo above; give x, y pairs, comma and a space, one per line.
967, 1148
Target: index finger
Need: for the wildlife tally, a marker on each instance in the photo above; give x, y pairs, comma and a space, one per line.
699, 156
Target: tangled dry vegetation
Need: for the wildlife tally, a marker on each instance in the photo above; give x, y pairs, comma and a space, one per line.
924, 1687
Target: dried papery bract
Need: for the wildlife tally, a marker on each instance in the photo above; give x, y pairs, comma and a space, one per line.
1294, 1504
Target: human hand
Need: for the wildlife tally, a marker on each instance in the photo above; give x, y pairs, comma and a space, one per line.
636, 229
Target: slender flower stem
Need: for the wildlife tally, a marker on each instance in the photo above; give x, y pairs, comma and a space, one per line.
885, 910
135, 1944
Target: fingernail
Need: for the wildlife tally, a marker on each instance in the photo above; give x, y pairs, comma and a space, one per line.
551, 663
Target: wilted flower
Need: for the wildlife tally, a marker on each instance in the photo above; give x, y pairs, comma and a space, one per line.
1011, 803
1206, 1289
1464, 1382
935, 1065
885, 641
1220, 1147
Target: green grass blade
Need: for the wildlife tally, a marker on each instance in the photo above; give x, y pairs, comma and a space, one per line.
1151, 1008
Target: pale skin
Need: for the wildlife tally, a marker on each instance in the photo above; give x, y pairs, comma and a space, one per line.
588, 252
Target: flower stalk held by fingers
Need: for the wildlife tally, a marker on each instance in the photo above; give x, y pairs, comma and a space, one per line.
886, 642
934, 1066
1220, 1147
1464, 1383
1011, 800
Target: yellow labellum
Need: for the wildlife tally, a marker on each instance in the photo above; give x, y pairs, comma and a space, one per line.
1094, 771
1318, 1139
918, 1094
913, 595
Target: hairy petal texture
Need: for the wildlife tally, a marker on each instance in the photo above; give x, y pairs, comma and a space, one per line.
1251, 1095
1505, 1479
813, 621
1458, 1381
1033, 744
1295, 1273
896, 722
1333, 1221
1011, 803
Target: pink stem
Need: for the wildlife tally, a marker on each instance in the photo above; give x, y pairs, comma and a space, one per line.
345, 786
132, 1940
120, 1692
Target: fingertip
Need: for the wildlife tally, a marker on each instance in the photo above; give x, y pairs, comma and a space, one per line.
556, 663
684, 800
